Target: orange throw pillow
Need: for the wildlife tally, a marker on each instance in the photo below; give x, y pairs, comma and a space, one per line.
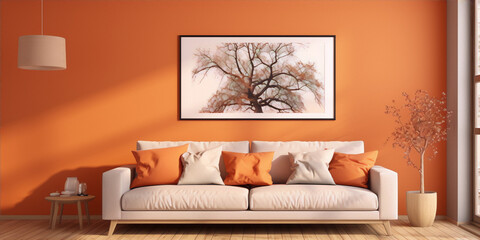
158, 166
248, 168
352, 169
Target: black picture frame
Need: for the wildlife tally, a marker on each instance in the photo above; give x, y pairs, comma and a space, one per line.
186, 46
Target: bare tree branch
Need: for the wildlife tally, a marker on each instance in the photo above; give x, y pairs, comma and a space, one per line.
258, 77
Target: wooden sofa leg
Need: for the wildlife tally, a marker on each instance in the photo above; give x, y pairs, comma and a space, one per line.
388, 228
113, 224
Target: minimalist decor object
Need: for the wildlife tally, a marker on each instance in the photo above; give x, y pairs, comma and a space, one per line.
71, 186
82, 189
41, 52
257, 77
54, 194
419, 131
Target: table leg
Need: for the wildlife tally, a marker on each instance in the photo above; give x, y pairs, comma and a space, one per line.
52, 205
61, 213
55, 212
87, 212
80, 220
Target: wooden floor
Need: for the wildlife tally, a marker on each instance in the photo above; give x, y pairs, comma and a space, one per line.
38, 229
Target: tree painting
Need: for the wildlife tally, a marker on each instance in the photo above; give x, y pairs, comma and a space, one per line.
257, 77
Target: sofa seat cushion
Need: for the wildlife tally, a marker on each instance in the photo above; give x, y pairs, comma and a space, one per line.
280, 197
186, 197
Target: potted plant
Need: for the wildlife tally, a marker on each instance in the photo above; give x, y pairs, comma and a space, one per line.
421, 123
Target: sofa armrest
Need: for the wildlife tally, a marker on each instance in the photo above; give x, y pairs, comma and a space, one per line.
384, 183
115, 183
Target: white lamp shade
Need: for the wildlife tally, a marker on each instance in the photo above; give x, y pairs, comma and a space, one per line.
41, 52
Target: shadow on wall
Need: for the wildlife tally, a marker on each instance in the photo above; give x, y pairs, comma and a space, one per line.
48, 167
90, 175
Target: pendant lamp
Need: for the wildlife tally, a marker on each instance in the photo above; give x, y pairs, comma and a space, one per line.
41, 52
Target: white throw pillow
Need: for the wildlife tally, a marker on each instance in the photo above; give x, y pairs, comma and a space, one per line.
201, 167
311, 167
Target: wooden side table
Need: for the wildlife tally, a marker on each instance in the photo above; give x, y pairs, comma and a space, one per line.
67, 200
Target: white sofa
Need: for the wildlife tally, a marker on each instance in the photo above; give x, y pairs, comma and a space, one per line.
279, 203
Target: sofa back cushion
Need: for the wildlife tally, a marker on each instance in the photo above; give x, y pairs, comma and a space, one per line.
194, 147
281, 167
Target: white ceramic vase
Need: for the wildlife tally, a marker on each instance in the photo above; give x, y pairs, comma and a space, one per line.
72, 184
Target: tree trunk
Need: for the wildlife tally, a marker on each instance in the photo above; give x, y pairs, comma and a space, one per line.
254, 102
422, 171
258, 108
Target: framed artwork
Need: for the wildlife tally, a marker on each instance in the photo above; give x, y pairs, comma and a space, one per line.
257, 77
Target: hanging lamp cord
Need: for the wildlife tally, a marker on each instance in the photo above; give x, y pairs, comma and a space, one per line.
41, 15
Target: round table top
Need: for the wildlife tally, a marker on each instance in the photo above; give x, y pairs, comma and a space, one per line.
70, 199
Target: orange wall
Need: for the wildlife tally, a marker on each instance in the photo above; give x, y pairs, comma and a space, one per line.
122, 81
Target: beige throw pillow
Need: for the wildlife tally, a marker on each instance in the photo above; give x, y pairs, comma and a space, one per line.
311, 167
201, 167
